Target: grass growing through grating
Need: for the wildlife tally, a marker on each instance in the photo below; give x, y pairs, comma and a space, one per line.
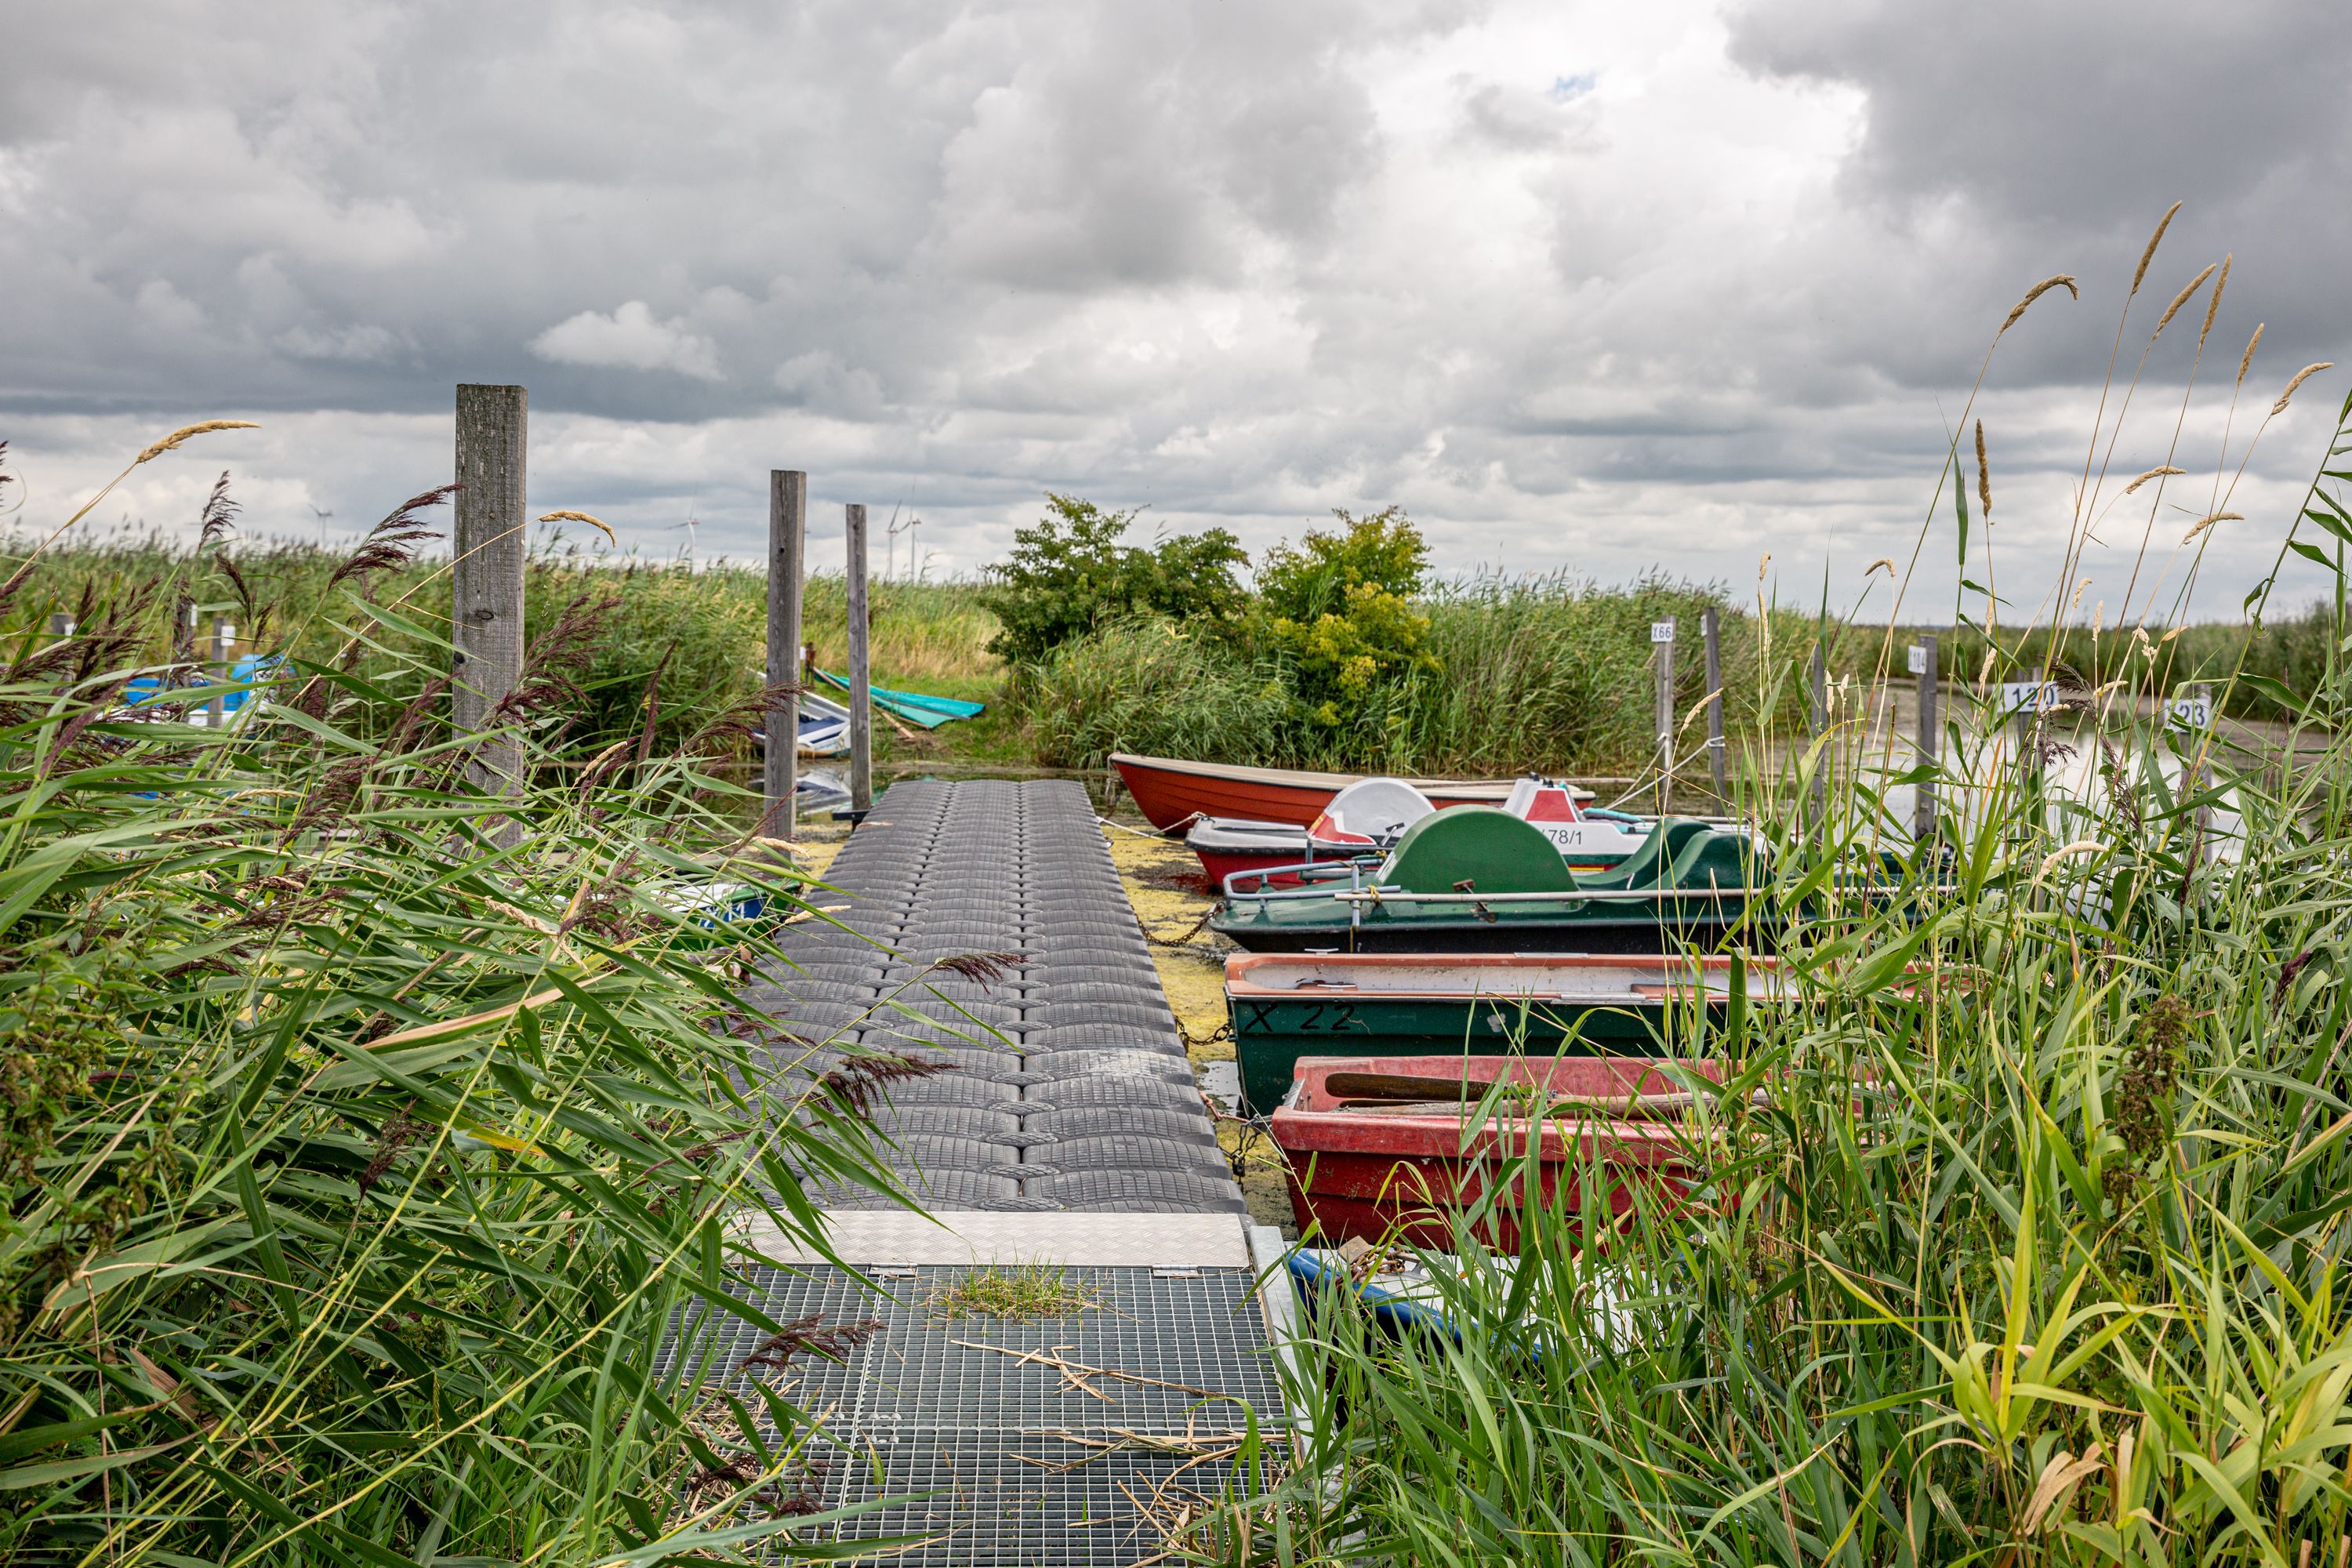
1017, 1293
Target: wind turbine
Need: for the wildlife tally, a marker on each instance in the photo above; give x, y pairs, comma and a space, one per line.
890, 560
690, 524
322, 517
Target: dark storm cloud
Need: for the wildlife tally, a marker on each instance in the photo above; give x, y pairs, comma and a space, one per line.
1596, 287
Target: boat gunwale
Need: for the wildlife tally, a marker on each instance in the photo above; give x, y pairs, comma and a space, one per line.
1312, 779
1239, 986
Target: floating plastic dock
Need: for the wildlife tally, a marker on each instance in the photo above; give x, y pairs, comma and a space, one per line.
1065, 1084
1065, 1132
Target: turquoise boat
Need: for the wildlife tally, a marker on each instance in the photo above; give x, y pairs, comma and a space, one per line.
915, 707
1472, 879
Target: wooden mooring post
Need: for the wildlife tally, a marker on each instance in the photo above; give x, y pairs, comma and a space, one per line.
787, 572
1931, 738
223, 639
1717, 769
861, 692
487, 576
1662, 658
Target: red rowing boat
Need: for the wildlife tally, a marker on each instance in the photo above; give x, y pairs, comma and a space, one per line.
1377, 1145
1170, 792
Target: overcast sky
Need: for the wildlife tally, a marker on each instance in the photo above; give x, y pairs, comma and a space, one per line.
1603, 288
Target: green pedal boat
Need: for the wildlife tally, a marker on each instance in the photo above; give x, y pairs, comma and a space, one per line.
1383, 1004
1475, 879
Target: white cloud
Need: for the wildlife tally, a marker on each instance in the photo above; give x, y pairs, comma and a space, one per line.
631, 338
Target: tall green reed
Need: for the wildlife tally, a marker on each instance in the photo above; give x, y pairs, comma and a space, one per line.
366, 1131
2022, 1236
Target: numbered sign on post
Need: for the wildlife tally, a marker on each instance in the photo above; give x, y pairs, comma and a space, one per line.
2190, 712
1918, 660
2028, 697
1661, 631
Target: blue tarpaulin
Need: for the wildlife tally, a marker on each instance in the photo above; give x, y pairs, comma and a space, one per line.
914, 707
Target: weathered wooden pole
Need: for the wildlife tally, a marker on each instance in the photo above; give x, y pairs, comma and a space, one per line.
487, 576
1662, 649
2197, 710
787, 572
1931, 738
61, 626
223, 639
1711, 628
861, 693
1818, 717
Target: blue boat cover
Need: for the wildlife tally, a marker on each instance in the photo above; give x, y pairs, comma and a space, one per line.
914, 707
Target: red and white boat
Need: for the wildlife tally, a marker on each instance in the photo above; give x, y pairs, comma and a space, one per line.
1368, 817
1172, 793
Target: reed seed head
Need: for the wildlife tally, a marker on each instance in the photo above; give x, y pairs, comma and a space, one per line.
2060, 280
580, 516
1984, 476
2209, 520
2155, 473
172, 442
2140, 274
2247, 359
1885, 564
2213, 305
1763, 564
2306, 374
2182, 298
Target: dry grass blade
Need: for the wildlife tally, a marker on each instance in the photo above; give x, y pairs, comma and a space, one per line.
2159, 471
2209, 520
589, 519
2182, 298
2139, 273
212, 525
983, 969
2057, 280
2306, 374
2213, 305
1072, 1369
2247, 359
177, 438
1984, 475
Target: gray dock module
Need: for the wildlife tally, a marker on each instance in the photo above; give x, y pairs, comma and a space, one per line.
1065, 1082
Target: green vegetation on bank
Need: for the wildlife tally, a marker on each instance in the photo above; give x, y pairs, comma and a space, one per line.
1343, 651
363, 1134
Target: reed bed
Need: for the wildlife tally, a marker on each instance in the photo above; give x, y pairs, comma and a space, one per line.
368, 1125
2022, 1235
703, 627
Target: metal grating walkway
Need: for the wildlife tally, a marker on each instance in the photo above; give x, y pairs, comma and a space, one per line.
994, 1458
1066, 1086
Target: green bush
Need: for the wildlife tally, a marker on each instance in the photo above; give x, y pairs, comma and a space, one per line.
1069, 573
1151, 685
1340, 606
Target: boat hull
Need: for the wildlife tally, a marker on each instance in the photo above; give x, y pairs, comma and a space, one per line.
1283, 1011
1172, 792
1372, 1174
